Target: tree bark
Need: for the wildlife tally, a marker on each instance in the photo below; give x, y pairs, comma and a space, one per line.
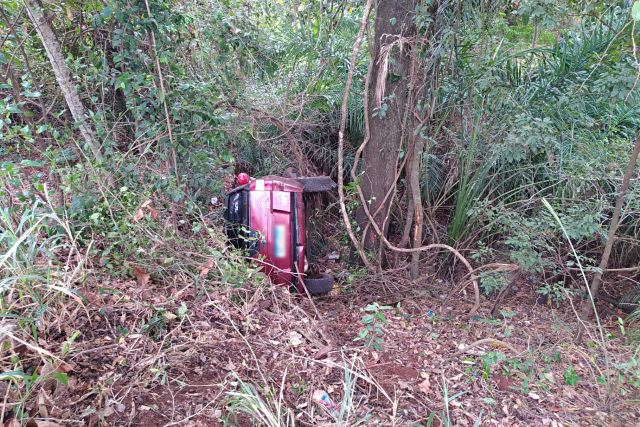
534, 41
394, 19
406, 234
587, 304
343, 122
63, 76
414, 177
11, 79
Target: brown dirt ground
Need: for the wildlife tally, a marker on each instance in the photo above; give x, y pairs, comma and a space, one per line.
123, 372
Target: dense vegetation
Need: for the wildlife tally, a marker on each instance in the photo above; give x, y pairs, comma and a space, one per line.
516, 123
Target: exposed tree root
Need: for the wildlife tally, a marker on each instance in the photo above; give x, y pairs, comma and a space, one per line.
465, 281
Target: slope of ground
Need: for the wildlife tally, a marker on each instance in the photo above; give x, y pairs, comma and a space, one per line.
145, 356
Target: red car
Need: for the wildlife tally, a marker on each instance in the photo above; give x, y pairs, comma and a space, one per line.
268, 217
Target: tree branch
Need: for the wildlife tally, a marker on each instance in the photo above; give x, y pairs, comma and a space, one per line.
343, 123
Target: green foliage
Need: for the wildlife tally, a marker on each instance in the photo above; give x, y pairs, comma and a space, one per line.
374, 323
545, 13
630, 372
509, 125
570, 376
554, 291
490, 359
492, 281
549, 126
635, 11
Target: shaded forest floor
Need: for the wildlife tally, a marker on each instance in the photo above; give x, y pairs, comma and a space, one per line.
160, 356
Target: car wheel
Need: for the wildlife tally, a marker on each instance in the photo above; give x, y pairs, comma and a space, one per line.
320, 285
316, 184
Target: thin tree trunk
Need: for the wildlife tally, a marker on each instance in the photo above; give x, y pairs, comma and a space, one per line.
164, 97
11, 79
406, 234
33, 76
343, 122
51, 45
587, 304
414, 177
534, 42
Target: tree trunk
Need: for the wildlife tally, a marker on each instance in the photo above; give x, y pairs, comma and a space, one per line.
394, 19
414, 178
534, 41
587, 304
63, 76
11, 80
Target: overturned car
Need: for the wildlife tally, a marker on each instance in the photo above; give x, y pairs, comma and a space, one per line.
269, 218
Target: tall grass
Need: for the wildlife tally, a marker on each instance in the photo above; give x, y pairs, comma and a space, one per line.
31, 238
537, 123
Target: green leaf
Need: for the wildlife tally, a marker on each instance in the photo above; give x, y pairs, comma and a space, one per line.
62, 377
31, 163
106, 12
635, 11
13, 108
456, 395
182, 310
12, 375
367, 319
491, 321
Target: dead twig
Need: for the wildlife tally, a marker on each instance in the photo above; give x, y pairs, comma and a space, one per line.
464, 282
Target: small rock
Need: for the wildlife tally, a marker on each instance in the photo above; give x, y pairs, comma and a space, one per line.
534, 396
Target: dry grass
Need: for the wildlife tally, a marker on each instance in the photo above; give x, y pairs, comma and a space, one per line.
114, 351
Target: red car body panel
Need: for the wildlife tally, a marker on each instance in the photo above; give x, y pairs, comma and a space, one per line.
277, 214
266, 218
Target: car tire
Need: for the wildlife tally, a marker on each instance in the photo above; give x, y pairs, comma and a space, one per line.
320, 285
316, 184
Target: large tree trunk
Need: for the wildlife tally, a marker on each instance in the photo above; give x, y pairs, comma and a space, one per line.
394, 19
63, 76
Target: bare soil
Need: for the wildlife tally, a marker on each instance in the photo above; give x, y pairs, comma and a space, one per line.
139, 361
